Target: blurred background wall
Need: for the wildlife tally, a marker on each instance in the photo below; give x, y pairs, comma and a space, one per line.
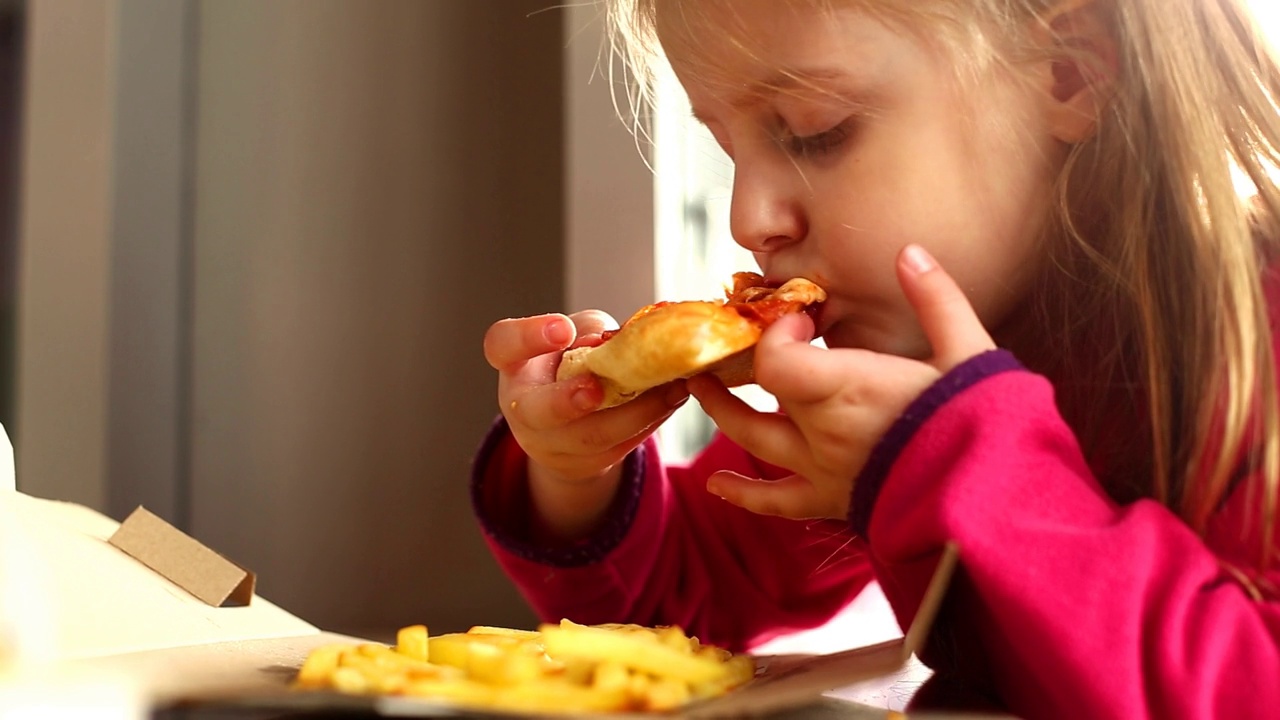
259, 242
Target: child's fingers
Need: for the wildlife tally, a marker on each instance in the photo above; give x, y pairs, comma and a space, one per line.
793, 327
792, 369
551, 405
771, 437
714, 397
510, 343
591, 323
948, 320
577, 400
791, 497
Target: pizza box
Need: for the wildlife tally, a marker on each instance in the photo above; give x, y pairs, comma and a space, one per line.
124, 601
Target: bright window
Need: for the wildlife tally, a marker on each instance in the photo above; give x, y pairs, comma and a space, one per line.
695, 254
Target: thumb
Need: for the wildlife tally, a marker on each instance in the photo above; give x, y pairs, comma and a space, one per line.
791, 497
948, 320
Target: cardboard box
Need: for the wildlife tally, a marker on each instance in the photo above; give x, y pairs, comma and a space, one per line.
111, 611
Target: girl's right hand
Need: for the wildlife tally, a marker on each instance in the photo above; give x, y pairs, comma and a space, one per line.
575, 451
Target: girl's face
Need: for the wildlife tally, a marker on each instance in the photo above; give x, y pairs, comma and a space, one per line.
850, 140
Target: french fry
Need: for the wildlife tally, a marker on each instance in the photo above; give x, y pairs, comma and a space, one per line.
559, 669
496, 665
674, 637
376, 676
558, 696
577, 671
635, 650
503, 632
739, 669
462, 691
610, 676
391, 659
319, 666
454, 648
349, 680
638, 687
666, 694
713, 652
412, 641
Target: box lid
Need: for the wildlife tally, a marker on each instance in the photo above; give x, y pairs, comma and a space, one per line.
97, 600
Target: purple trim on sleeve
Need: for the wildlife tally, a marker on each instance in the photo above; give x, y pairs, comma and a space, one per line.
962, 377
587, 551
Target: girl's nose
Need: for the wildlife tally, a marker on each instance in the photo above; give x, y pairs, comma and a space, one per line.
764, 215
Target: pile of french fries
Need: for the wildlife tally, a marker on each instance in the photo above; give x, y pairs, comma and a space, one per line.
556, 669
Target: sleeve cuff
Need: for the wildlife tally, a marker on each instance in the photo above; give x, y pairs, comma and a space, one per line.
500, 500
866, 487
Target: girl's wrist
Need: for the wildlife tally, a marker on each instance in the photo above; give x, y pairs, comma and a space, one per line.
570, 508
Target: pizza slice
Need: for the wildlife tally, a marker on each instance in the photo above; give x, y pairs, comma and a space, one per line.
667, 341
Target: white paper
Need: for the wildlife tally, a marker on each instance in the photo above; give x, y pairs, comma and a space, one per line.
53, 692
26, 625
65, 593
104, 602
8, 478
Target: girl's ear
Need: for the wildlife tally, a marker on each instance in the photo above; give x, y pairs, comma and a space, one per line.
1082, 68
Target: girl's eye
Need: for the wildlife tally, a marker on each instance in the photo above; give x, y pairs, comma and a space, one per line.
818, 144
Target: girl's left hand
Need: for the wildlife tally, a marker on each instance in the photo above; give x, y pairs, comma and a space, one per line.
836, 403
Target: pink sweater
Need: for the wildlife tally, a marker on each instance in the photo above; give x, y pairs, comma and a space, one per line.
1068, 604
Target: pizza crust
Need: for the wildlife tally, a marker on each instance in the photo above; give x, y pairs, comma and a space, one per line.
672, 342
679, 340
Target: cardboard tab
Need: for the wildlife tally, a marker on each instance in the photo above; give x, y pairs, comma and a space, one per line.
183, 560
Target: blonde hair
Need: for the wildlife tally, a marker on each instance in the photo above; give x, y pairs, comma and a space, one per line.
1151, 239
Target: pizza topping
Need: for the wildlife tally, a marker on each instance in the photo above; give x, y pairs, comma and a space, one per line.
746, 285
754, 298
767, 311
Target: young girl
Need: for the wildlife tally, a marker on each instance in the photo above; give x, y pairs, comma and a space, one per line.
1060, 179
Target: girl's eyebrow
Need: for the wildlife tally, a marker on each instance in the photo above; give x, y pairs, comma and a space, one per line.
820, 79
789, 80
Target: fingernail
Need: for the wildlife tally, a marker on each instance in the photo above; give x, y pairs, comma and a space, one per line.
558, 332
918, 260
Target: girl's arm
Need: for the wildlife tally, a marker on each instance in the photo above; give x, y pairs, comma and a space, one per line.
1072, 605
668, 552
